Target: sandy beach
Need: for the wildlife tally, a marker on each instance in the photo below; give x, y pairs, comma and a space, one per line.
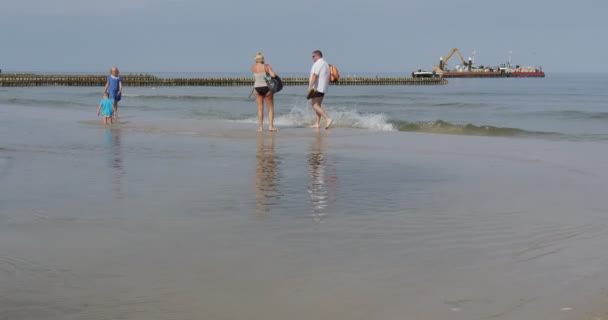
191, 219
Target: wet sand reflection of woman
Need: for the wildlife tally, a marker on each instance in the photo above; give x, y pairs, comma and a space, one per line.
323, 179
267, 175
115, 159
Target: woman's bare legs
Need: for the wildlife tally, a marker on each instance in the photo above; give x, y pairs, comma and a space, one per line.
270, 103
259, 100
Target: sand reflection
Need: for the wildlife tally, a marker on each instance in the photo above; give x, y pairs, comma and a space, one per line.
323, 179
267, 177
115, 159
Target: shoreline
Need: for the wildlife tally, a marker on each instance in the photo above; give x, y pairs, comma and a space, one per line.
350, 118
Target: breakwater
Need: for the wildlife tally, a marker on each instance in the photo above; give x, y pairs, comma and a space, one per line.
33, 80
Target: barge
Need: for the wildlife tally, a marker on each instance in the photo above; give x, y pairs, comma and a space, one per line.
469, 70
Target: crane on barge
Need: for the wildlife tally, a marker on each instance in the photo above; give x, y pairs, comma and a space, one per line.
443, 61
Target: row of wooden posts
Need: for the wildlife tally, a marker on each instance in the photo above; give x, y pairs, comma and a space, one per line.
28, 80
31, 80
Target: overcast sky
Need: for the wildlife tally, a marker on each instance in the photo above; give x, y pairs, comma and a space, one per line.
357, 36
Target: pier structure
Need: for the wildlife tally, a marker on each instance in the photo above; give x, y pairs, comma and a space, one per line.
33, 80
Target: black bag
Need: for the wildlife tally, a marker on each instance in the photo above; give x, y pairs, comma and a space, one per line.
275, 84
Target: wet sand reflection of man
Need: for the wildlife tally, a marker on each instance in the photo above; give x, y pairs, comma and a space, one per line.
267, 175
323, 179
115, 159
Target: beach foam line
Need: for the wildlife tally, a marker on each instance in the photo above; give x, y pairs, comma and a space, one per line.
345, 118
229, 129
348, 118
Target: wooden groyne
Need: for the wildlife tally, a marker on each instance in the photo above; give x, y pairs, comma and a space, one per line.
33, 80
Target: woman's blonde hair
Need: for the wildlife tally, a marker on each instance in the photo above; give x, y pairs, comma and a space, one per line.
259, 57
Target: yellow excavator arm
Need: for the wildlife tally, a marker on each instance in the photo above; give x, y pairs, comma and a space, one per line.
444, 61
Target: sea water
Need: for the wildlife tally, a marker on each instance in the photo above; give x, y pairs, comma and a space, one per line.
560, 106
480, 199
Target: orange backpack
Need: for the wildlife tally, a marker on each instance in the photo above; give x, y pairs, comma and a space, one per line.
334, 74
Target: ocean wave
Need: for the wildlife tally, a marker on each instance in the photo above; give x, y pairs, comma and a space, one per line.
184, 97
448, 104
348, 118
41, 102
444, 127
577, 114
343, 117
457, 105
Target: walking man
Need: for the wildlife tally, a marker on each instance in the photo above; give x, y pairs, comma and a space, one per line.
317, 87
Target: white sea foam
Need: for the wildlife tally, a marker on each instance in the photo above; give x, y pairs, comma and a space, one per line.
299, 116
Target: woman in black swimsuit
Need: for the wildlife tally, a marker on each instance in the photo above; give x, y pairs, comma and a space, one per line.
262, 92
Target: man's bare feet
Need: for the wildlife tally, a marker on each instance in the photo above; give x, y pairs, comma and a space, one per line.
260, 129
272, 129
329, 122
315, 126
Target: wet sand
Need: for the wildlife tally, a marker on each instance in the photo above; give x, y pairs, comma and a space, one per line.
185, 219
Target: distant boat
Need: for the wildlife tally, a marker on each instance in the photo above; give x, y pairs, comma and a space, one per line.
522, 72
473, 73
469, 70
425, 74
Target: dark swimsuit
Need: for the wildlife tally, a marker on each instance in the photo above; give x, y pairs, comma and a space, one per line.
317, 94
262, 90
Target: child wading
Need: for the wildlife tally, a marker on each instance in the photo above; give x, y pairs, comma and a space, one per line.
106, 109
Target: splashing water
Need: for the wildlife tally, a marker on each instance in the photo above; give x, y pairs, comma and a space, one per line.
345, 118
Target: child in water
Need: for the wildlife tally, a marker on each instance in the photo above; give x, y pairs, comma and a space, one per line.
106, 109
114, 88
